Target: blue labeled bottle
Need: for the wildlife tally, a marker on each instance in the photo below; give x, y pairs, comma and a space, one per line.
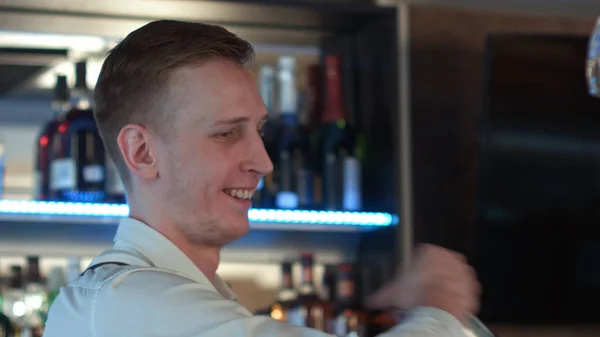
78, 170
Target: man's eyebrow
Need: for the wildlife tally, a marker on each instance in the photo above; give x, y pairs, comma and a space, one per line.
238, 120
231, 121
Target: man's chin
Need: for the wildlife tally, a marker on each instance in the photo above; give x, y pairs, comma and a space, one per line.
239, 227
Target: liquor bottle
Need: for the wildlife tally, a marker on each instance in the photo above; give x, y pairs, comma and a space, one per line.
368, 280
329, 283
35, 296
60, 106
310, 310
16, 309
78, 168
13, 305
286, 296
341, 170
267, 189
6, 328
308, 179
289, 155
2, 166
348, 316
3, 286
315, 107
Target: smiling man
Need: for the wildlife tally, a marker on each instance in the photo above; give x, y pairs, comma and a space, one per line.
181, 117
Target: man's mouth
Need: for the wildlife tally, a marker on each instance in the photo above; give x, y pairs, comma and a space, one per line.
241, 194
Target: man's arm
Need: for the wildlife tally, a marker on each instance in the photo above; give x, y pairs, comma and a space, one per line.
156, 303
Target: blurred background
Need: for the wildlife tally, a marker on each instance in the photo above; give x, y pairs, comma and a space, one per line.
467, 124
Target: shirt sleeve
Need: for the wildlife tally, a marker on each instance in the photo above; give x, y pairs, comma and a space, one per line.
428, 322
155, 303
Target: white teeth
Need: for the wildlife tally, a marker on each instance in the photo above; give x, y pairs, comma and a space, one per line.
240, 194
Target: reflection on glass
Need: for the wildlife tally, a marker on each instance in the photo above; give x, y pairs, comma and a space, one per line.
593, 62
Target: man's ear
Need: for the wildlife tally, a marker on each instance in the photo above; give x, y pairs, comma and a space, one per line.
135, 144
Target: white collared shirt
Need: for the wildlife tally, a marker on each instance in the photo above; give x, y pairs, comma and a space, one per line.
160, 292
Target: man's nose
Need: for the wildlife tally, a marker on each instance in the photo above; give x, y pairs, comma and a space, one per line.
259, 161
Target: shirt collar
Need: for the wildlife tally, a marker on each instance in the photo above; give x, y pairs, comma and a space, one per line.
136, 237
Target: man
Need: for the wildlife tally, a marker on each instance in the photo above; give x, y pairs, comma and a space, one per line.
181, 117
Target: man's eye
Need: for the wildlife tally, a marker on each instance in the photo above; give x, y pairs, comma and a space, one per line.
225, 135
261, 132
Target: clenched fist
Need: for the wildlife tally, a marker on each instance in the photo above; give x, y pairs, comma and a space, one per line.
437, 278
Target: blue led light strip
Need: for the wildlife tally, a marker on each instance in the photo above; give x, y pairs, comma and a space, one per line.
255, 215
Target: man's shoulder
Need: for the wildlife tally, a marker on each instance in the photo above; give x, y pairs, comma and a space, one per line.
150, 300
76, 303
146, 280
115, 299
127, 285
95, 279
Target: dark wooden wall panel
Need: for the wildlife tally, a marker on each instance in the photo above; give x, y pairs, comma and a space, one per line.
447, 63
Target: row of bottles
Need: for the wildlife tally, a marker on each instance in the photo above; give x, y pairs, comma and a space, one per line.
309, 137
71, 163
337, 310
25, 297
314, 148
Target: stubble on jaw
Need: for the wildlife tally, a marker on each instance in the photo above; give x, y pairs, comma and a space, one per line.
203, 233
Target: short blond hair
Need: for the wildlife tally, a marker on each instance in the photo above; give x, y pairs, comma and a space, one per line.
133, 84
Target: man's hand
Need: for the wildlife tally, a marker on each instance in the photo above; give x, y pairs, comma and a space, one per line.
438, 278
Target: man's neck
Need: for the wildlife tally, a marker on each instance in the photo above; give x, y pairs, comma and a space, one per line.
205, 258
